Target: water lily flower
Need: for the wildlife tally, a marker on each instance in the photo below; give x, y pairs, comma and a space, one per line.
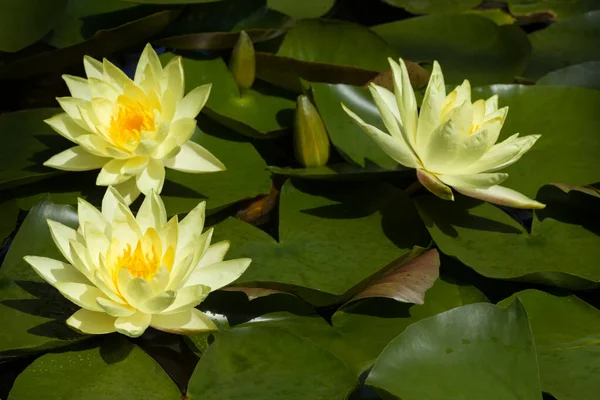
451, 142
128, 273
132, 129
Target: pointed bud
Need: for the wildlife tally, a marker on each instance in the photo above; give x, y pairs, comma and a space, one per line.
242, 62
311, 143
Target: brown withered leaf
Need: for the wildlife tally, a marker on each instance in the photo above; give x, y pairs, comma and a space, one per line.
257, 211
418, 75
217, 40
409, 282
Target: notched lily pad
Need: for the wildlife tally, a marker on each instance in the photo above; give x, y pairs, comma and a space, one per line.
488, 240
327, 230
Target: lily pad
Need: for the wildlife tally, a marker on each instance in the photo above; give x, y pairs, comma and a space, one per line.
467, 46
477, 351
31, 143
558, 9
369, 325
24, 23
35, 309
246, 175
260, 112
101, 44
565, 43
551, 111
264, 362
338, 43
83, 18
112, 368
565, 330
488, 240
322, 231
495, 15
434, 6
350, 140
301, 9
585, 75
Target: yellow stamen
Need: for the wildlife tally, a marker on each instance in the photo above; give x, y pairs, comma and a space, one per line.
139, 264
129, 119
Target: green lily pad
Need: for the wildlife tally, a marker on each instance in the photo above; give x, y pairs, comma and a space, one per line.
585, 75
170, 2
83, 18
112, 368
301, 9
338, 43
260, 112
246, 175
477, 351
558, 9
466, 46
266, 362
369, 325
556, 157
10, 212
101, 44
31, 143
565, 330
488, 240
565, 43
434, 6
36, 311
336, 172
322, 231
350, 140
24, 23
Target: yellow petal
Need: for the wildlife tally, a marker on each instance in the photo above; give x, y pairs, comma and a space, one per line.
482, 181
502, 196
152, 177
193, 102
111, 173
152, 213
194, 158
188, 322
53, 271
93, 68
83, 295
406, 101
78, 87
92, 322
431, 108
434, 185
134, 325
188, 297
76, 159
219, 274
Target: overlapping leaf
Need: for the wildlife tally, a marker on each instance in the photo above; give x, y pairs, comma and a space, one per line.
565, 330
327, 231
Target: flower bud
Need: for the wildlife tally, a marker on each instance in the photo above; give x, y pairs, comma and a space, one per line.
311, 143
242, 62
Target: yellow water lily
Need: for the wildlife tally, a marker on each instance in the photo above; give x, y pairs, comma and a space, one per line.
132, 129
128, 273
451, 142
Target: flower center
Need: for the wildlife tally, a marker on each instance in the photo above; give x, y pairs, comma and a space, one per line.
140, 263
129, 119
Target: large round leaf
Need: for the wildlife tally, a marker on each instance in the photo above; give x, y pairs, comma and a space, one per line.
367, 326
327, 230
83, 18
112, 368
263, 362
557, 9
466, 46
477, 351
34, 312
565, 43
435, 6
351, 141
31, 143
301, 9
565, 330
255, 112
101, 44
583, 75
561, 249
246, 175
569, 122
338, 43
24, 23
